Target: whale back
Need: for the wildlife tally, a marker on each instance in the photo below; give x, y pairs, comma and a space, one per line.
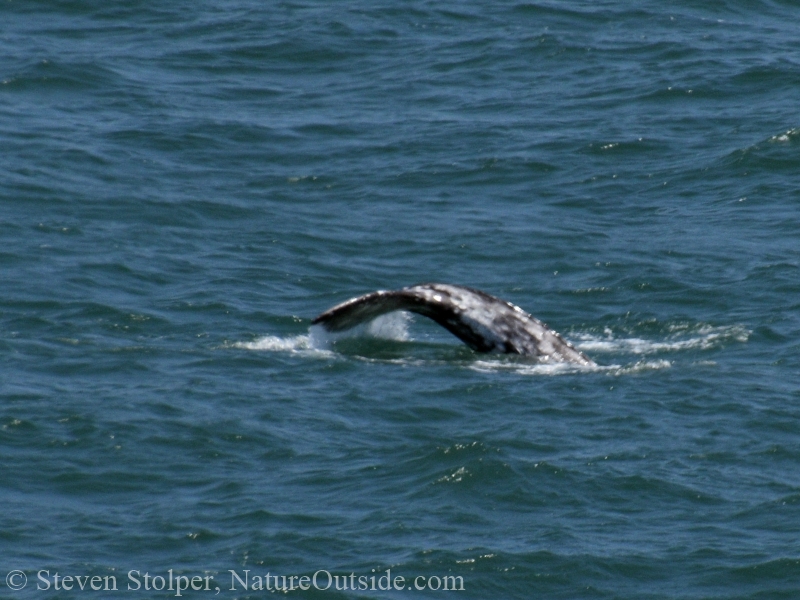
485, 323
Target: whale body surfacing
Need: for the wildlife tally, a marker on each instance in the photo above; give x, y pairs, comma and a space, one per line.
483, 322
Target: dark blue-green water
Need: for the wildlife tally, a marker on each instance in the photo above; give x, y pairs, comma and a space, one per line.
185, 185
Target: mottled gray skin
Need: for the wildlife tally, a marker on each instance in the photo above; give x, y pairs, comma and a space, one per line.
483, 322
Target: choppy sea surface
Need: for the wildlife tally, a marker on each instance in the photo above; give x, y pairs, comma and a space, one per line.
185, 185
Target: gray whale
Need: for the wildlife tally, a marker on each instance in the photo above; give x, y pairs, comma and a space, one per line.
483, 322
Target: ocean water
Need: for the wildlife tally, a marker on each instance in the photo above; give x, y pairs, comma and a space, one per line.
184, 186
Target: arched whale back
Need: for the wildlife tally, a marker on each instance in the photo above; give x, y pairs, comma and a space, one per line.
483, 322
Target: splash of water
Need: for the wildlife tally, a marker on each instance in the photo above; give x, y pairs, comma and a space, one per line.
393, 326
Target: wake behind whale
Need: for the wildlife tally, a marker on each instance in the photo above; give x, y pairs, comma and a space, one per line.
483, 322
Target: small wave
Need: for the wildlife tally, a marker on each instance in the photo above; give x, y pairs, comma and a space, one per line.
788, 136
772, 152
682, 337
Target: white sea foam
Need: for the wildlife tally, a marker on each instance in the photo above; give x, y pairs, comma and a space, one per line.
395, 326
524, 368
681, 337
274, 343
